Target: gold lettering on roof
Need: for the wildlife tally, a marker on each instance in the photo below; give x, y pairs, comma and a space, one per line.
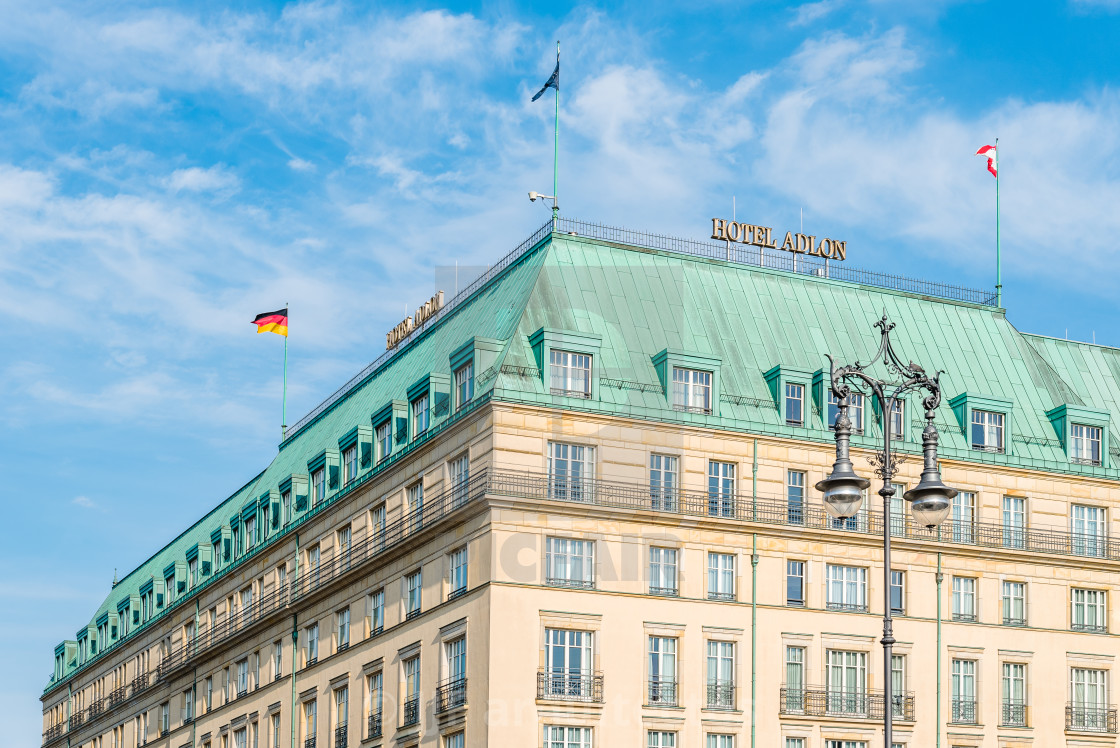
761, 236
408, 324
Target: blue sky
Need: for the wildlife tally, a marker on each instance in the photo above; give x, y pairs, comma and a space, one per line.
169, 171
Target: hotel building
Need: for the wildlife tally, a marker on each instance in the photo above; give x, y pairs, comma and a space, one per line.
573, 508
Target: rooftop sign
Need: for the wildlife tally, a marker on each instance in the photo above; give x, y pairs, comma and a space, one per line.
408, 324
760, 236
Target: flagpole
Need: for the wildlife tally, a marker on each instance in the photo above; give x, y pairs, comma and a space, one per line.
284, 395
556, 146
999, 265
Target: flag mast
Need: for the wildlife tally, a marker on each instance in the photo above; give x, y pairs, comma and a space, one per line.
284, 392
556, 147
999, 265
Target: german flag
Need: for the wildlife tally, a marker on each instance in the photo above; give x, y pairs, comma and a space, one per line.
276, 322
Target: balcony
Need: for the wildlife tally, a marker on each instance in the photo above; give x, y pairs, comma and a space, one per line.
414, 613
411, 711
820, 701
663, 591
340, 736
847, 607
662, 692
1014, 620
720, 695
579, 685
309, 742
1089, 628
578, 584
373, 725
964, 617
1081, 718
451, 693
55, 731
727, 596
1013, 713
963, 712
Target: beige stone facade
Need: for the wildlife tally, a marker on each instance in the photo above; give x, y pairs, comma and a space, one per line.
724, 653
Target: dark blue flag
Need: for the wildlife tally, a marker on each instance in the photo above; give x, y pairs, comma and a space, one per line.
552, 82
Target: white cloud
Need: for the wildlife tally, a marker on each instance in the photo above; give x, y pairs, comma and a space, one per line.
215, 179
810, 12
298, 164
84, 502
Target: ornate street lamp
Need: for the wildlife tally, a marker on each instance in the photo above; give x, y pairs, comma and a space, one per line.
842, 492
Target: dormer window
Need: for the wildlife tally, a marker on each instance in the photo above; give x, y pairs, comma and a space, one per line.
318, 486
169, 582
898, 419
420, 415
192, 573
987, 431
384, 438
570, 374
795, 404
350, 463
250, 531
1085, 444
855, 411
464, 384
692, 390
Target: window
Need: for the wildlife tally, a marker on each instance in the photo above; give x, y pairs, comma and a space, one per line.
719, 741
350, 463
570, 373
897, 592
898, 683
846, 588
661, 739
411, 691
1014, 604
721, 576
420, 416
795, 404
412, 588
456, 653
795, 743
662, 671
898, 419
569, 563
377, 526
464, 384
846, 679
1085, 444
312, 654
310, 719
192, 573
242, 677
1088, 708
275, 719
568, 666
384, 438
692, 390
793, 701
457, 575
963, 692
285, 507
964, 517
1014, 522
342, 625
663, 571
720, 675
1087, 611
795, 497
277, 659
987, 431
571, 467
318, 486
239, 738
374, 696
898, 510
377, 612
795, 583
209, 693
848, 744
188, 705
415, 496
964, 599
341, 713
855, 410
460, 473
721, 489
1087, 526
169, 583
313, 565
663, 482
165, 718
1014, 692
455, 740
343, 539
567, 737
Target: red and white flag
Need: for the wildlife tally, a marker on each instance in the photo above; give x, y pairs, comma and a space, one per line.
990, 152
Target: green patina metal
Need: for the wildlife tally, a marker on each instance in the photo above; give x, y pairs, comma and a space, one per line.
638, 306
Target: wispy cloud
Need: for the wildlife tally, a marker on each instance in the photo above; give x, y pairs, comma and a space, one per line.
217, 178
85, 502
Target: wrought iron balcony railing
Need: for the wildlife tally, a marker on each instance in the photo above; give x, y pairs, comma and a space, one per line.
373, 725
579, 584
309, 742
411, 711
340, 736
847, 607
721, 595
1014, 620
1090, 628
663, 591
570, 685
451, 693
662, 692
821, 701
720, 695
964, 617
1081, 718
1013, 713
963, 711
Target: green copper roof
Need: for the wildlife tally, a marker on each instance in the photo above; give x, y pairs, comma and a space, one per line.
631, 304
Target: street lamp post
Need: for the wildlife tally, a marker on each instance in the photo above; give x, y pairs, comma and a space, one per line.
842, 491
